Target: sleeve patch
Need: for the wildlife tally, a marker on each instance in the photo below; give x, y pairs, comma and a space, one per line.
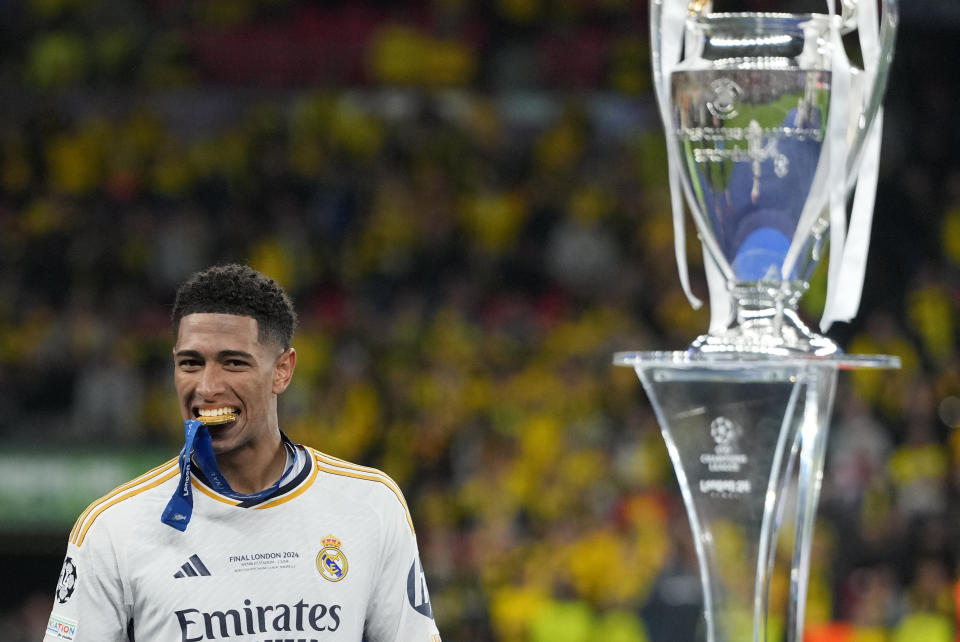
417, 589
67, 581
61, 628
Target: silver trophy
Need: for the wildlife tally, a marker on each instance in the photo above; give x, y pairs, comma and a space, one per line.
769, 128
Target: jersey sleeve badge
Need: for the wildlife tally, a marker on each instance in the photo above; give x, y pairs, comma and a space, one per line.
67, 581
60, 628
417, 592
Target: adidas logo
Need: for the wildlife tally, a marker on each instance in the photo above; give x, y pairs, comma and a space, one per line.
192, 568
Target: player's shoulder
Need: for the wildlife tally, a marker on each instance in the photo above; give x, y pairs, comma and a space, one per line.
124, 497
362, 483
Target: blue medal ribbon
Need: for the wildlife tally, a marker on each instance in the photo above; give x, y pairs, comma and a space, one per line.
198, 448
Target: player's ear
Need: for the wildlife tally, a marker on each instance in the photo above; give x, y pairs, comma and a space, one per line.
283, 370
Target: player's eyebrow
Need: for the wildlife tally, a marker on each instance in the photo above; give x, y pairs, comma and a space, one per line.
229, 354
222, 355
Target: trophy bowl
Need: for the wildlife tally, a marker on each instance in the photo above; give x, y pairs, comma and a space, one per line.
748, 107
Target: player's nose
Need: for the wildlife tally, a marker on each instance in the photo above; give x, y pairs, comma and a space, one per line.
210, 383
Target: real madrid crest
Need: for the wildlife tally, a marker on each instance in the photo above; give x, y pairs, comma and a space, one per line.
331, 562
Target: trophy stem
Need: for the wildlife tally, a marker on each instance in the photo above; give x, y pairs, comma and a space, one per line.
765, 321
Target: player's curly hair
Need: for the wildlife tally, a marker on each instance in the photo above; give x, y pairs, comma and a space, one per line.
238, 289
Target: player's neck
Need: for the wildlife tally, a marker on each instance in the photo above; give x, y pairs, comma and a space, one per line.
254, 468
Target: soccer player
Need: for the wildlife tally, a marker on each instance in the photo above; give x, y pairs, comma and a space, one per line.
246, 535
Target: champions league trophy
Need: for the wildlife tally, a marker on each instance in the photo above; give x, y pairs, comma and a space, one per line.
768, 130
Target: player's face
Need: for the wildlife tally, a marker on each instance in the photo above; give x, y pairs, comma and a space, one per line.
220, 366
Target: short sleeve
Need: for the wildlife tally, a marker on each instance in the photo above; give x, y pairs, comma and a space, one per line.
399, 609
89, 602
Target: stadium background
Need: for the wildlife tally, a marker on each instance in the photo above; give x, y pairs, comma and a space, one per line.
466, 199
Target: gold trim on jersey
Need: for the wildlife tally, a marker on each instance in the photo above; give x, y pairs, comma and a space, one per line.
362, 472
300, 489
171, 469
276, 501
211, 494
132, 488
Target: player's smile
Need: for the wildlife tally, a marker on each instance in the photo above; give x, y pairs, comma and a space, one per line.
216, 416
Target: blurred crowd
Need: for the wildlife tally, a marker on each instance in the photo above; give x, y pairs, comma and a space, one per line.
467, 202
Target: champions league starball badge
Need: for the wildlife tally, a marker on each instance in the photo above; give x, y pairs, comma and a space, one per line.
724, 99
67, 581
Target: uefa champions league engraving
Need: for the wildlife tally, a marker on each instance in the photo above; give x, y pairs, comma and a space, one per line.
768, 130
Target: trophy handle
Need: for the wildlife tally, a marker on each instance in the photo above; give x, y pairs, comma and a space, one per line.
848, 15
664, 55
889, 19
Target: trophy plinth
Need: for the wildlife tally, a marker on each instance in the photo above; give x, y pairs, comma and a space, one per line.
746, 435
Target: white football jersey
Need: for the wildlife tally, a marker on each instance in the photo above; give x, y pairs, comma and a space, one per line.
331, 555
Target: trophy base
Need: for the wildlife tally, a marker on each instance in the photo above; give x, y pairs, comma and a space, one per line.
766, 331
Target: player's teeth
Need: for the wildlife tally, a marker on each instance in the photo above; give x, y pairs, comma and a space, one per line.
216, 416
216, 412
